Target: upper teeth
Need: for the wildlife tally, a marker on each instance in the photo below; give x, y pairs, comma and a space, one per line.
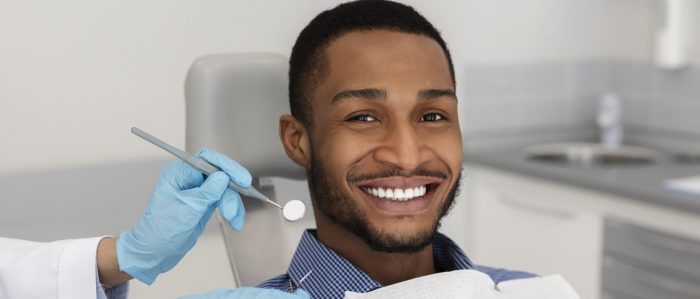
396, 193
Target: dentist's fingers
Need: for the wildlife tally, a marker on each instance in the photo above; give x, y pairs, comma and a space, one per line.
181, 175
232, 209
239, 175
209, 193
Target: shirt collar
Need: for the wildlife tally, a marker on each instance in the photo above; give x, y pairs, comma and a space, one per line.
328, 266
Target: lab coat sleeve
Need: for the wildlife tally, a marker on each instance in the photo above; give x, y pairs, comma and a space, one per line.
59, 269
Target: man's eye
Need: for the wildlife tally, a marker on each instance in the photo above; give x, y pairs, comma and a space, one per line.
430, 117
363, 118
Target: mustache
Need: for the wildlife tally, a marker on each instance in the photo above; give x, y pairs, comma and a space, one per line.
392, 171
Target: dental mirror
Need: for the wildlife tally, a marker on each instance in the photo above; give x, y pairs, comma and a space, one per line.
294, 210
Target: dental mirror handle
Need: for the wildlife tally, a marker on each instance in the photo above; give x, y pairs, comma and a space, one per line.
201, 165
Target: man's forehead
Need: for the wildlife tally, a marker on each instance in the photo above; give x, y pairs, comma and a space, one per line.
363, 42
365, 59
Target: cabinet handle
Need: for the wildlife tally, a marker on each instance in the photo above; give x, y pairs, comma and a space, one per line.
537, 209
649, 278
661, 240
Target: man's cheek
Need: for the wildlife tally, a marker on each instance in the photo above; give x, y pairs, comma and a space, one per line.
452, 153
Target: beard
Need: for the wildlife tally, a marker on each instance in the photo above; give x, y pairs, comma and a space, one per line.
342, 210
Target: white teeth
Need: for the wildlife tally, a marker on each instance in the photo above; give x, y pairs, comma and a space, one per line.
397, 194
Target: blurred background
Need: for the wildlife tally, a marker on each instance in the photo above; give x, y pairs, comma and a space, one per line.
545, 88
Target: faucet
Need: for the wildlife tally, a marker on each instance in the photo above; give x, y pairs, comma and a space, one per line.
610, 120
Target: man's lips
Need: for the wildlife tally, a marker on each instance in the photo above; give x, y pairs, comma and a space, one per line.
403, 195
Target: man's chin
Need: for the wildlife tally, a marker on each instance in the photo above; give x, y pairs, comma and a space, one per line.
399, 242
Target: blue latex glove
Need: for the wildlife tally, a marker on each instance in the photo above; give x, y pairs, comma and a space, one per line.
250, 293
177, 213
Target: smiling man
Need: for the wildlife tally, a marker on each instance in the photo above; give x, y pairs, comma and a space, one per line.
375, 124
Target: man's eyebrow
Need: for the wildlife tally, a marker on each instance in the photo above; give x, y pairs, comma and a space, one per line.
428, 94
380, 94
364, 93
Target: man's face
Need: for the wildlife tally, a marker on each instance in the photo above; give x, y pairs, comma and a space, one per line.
386, 148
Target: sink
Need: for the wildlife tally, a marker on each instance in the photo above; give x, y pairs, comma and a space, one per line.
591, 154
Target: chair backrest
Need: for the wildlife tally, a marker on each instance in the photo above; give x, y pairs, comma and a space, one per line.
233, 104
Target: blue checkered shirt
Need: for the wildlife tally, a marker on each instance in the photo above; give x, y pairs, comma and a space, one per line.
333, 275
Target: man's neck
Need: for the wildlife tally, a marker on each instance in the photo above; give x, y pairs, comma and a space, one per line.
385, 268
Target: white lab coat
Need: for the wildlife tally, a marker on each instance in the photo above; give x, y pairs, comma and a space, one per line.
59, 269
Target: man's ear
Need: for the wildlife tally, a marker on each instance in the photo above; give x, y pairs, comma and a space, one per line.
295, 140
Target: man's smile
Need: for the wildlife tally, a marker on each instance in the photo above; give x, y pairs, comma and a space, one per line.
400, 195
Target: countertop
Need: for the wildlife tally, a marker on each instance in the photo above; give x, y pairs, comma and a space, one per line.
637, 182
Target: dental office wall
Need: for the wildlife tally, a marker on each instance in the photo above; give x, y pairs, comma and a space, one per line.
76, 75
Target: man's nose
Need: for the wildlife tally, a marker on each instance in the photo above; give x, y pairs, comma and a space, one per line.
402, 147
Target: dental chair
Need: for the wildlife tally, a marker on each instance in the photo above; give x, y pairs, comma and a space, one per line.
233, 104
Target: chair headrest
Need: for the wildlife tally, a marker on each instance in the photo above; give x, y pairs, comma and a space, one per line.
233, 105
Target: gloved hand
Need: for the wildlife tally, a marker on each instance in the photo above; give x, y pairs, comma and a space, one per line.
177, 213
250, 293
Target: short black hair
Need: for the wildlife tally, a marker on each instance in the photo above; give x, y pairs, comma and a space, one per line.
308, 63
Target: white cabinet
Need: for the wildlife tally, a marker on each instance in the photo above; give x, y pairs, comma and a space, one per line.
528, 225
524, 223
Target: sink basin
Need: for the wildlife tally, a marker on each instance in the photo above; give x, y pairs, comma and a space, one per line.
591, 154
